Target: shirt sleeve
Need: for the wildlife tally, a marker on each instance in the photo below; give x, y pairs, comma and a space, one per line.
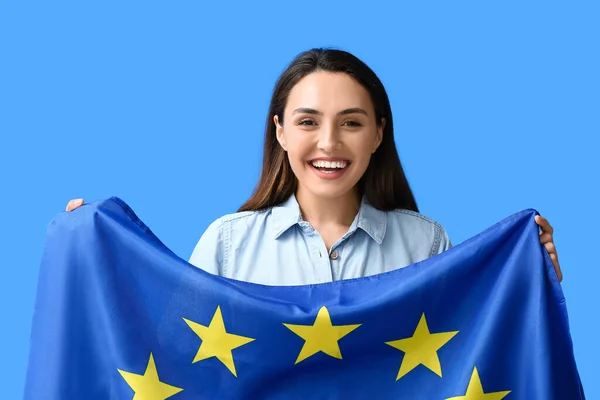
208, 253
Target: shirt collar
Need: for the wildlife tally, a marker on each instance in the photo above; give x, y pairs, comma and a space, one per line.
285, 215
369, 219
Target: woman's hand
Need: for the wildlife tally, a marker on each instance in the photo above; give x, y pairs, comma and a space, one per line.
73, 204
547, 240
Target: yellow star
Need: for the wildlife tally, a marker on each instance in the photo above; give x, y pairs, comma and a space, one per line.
321, 336
475, 391
216, 342
421, 348
148, 386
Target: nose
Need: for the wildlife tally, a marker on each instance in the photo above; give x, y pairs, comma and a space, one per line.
329, 138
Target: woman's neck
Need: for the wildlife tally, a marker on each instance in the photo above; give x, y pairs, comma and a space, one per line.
321, 211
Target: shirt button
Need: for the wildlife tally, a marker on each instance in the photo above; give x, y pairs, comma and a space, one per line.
334, 255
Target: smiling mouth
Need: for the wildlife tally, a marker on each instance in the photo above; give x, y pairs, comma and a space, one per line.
329, 167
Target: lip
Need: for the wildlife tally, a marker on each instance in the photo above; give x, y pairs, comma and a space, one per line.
329, 175
329, 159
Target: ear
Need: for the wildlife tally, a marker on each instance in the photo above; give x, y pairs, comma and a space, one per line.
279, 133
379, 137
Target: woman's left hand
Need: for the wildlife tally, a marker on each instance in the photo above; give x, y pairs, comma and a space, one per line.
547, 240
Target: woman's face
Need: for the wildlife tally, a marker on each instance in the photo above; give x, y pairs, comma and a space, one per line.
329, 133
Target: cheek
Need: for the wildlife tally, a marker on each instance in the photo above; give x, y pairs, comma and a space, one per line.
363, 149
297, 148
295, 154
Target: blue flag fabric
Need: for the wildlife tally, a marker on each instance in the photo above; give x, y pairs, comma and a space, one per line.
119, 316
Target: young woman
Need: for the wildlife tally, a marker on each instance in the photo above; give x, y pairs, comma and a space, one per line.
332, 201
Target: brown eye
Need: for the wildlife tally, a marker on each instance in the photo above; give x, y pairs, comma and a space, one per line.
352, 123
306, 122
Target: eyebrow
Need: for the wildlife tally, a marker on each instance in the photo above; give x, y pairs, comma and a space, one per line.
347, 111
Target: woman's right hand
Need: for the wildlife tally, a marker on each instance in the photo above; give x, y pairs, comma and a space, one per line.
73, 204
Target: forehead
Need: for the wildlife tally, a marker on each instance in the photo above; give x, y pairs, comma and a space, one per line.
327, 91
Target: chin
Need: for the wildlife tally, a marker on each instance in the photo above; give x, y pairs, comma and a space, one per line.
329, 191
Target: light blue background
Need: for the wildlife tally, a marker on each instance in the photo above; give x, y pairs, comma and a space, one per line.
496, 109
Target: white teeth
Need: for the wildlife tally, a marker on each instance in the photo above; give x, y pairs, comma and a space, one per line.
329, 164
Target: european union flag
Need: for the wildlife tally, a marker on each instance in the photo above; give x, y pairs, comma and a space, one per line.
119, 316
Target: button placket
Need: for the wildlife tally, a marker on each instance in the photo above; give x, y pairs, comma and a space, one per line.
320, 261
335, 262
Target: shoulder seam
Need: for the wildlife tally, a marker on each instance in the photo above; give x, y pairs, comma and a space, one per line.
436, 240
225, 230
437, 229
225, 245
240, 215
417, 215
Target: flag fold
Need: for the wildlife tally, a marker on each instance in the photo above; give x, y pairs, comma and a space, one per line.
120, 316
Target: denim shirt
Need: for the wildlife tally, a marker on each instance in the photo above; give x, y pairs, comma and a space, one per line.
276, 247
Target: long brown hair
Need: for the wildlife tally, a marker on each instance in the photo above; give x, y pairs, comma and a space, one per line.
383, 183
